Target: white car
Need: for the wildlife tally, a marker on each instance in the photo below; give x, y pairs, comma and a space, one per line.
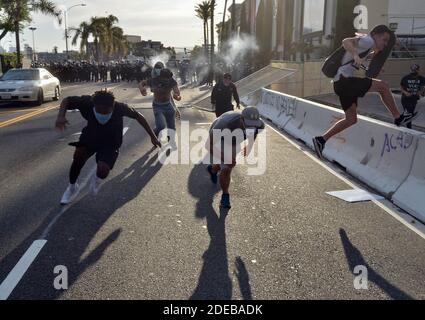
32, 85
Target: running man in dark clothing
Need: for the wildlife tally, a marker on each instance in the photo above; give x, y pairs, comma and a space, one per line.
412, 87
349, 88
224, 146
221, 97
101, 137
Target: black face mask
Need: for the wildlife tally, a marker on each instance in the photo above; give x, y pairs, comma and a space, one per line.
415, 73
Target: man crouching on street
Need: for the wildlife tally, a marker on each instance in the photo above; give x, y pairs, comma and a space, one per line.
224, 146
101, 137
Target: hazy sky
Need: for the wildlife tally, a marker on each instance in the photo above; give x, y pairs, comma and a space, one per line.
171, 21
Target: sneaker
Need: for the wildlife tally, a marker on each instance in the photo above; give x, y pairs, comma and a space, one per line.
212, 174
173, 146
319, 145
225, 201
95, 185
70, 194
405, 118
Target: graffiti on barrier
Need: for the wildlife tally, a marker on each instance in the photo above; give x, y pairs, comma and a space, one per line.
394, 142
283, 104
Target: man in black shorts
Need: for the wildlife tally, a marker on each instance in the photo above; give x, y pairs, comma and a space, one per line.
223, 145
350, 88
412, 87
102, 135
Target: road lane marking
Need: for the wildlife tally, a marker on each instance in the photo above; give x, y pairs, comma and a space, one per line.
13, 278
26, 116
403, 218
8, 111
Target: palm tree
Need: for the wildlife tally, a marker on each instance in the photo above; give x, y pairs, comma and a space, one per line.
83, 33
18, 12
224, 20
6, 19
107, 36
203, 12
115, 43
97, 30
213, 4
113, 39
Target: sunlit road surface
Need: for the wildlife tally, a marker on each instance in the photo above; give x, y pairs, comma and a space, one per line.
156, 231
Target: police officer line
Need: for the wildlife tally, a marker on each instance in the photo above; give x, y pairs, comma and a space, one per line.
386, 158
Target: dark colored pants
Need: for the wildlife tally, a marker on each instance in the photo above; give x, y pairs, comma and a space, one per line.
409, 105
219, 110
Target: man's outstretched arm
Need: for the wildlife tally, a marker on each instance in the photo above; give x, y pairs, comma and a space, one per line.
176, 93
141, 119
236, 97
61, 121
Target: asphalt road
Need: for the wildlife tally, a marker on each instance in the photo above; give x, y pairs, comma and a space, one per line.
155, 231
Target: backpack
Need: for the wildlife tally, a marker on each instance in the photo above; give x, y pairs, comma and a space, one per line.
334, 62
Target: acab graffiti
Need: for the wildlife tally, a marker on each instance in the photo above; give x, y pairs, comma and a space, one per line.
393, 142
285, 105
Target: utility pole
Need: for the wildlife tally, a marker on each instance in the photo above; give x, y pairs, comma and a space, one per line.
233, 17
17, 31
223, 26
33, 43
212, 40
65, 14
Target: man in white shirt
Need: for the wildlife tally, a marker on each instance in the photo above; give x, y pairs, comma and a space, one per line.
349, 88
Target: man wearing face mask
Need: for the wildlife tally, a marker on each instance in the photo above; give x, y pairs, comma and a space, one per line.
221, 97
412, 87
101, 137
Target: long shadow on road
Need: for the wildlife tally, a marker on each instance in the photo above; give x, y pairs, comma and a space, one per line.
214, 281
355, 258
69, 241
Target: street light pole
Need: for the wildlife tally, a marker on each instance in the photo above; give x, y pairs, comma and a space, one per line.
212, 41
65, 13
33, 43
66, 34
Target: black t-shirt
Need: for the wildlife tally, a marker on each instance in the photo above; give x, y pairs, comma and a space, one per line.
413, 84
96, 135
222, 95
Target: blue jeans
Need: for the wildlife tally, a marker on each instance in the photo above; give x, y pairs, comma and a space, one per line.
163, 111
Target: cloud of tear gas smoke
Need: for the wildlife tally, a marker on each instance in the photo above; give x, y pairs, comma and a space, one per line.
202, 65
238, 47
163, 57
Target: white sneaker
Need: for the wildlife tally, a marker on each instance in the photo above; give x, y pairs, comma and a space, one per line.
95, 185
173, 145
70, 194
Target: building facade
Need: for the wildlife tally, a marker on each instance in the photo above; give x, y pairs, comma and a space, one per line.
300, 30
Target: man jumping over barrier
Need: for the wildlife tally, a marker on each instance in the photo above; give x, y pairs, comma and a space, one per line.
349, 88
